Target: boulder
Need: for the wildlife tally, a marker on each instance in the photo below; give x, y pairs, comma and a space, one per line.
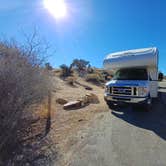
73, 105
84, 101
92, 98
61, 101
89, 98
88, 88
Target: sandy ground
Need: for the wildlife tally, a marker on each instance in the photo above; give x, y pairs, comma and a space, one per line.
65, 125
52, 132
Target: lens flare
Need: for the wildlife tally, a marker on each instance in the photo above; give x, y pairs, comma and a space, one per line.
57, 8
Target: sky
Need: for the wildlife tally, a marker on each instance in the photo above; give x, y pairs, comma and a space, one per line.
91, 29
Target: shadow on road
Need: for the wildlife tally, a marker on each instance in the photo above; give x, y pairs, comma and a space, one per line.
154, 120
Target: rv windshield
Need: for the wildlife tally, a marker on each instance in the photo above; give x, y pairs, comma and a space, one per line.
131, 74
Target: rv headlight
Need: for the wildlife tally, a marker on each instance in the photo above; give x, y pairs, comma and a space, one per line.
107, 88
142, 91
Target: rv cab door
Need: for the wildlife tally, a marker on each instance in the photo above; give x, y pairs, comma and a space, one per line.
153, 88
153, 81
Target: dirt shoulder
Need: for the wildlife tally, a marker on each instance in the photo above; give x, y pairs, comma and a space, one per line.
65, 125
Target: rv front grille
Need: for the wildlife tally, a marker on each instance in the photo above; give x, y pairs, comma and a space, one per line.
124, 91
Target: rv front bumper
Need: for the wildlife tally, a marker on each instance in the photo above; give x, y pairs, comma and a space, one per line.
125, 99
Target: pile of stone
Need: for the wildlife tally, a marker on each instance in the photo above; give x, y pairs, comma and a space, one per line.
89, 98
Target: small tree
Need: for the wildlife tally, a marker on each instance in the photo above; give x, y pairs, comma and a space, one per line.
66, 70
48, 66
80, 65
160, 76
90, 70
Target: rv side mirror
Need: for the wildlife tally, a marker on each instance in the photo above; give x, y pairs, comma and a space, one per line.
150, 78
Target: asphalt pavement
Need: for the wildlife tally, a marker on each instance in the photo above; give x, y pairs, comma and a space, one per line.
125, 137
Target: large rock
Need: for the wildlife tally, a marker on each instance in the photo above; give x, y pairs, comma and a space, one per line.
88, 99
73, 105
92, 98
84, 101
61, 101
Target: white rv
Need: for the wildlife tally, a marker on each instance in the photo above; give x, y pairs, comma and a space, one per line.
135, 79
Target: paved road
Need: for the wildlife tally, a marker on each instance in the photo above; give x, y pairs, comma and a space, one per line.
126, 137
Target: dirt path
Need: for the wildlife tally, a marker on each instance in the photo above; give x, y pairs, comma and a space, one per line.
65, 125
124, 137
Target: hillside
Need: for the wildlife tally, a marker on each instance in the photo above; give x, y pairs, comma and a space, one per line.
53, 131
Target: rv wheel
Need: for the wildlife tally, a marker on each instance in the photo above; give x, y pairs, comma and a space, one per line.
110, 104
148, 105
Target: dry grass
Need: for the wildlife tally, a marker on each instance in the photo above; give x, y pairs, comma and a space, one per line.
23, 83
64, 125
34, 146
71, 80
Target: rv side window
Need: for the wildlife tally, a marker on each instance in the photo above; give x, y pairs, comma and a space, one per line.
131, 74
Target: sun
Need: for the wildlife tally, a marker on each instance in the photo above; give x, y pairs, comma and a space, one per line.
57, 8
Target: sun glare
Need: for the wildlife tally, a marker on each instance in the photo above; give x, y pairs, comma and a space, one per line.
56, 7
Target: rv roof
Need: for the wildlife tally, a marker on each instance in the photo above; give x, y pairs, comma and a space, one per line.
132, 58
132, 52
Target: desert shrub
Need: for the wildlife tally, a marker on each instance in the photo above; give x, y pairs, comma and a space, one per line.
90, 70
22, 83
65, 70
48, 66
106, 75
95, 78
160, 76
